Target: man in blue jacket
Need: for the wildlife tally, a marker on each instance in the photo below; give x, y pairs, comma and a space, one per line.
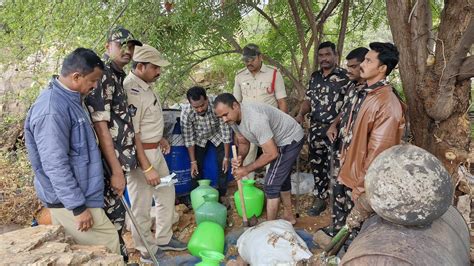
64, 155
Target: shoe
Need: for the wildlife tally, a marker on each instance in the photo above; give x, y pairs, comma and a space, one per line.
174, 245
318, 207
146, 258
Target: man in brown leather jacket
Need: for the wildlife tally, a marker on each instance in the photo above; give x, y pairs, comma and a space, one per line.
373, 122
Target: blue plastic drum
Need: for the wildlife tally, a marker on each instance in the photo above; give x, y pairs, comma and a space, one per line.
178, 159
211, 167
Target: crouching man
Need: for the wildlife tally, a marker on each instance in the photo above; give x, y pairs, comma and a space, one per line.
279, 136
64, 155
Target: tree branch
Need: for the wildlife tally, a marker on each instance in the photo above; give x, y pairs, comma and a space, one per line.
361, 17
298, 23
444, 104
301, 38
467, 69
195, 51
309, 16
298, 85
312, 22
276, 27
342, 32
420, 22
202, 59
322, 11
308, 10
320, 20
112, 25
232, 41
324, 14
261, 12
397, 13
460, 52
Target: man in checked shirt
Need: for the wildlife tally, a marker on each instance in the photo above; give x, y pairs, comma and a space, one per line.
201, 128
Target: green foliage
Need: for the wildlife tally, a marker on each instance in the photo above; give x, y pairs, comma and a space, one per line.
19, 168
194, 34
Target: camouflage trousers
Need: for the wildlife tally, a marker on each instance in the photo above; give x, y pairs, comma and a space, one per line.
342, 204
115, 211
319, 160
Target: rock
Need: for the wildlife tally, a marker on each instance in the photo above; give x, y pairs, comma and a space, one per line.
409, 186
5, 228
464, 207
236, 262
29, 238
48, 245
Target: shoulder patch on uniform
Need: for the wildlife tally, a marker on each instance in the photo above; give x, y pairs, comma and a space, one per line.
134, 91
241, 70
132, 110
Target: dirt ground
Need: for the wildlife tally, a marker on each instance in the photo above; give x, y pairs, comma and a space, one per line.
186, 225
18, 206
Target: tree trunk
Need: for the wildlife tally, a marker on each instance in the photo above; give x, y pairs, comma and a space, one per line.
438, 100
343, 28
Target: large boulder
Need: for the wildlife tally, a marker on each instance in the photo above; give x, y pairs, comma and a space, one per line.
409, 186
48, 245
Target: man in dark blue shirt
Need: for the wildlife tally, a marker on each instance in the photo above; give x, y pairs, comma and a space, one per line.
64, 155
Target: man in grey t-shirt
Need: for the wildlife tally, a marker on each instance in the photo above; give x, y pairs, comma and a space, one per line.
279, 136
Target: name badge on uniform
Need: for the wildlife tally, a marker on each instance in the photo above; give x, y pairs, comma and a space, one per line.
132, 110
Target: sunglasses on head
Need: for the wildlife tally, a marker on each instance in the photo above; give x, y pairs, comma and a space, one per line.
248, 58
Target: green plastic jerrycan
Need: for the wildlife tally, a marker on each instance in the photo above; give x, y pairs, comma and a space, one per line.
210, 258
253, 199
207, 236
197, 194
212, 211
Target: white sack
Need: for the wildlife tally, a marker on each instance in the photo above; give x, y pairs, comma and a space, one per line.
272, 243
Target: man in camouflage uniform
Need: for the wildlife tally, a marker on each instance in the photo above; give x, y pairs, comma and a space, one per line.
261, 83
113, 124
324, 99
342, 194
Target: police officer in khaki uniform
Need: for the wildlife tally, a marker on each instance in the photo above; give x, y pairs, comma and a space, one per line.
258, 82
147, 118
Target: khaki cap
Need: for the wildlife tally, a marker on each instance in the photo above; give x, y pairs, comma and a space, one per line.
149, 54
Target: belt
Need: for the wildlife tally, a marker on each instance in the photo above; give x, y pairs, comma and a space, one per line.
150, 146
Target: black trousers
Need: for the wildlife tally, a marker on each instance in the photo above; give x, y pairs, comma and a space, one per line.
200, 152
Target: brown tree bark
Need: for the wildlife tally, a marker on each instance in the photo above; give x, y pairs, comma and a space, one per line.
319, 21
343, 28
437, 93
300, 32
